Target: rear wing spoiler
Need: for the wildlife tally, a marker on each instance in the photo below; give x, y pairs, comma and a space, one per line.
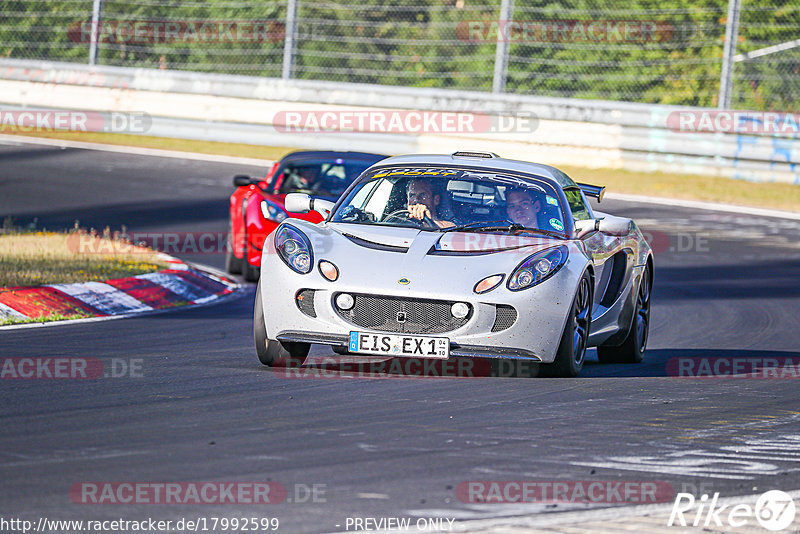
596, 191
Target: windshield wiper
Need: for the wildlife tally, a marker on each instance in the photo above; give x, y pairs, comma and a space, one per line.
493, 226
479, 225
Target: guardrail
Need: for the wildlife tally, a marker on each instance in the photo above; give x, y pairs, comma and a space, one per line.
243, 109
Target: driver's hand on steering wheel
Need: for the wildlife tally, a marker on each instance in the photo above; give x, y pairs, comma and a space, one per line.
419, 211
422, 212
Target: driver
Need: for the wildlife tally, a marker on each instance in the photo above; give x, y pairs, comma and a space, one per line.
423, 202
522, 208
303, 177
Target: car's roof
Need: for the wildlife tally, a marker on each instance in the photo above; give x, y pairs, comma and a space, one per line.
332, 154
548, 173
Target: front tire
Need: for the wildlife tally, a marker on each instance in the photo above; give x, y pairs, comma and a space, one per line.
251, 274
632, 349
572, 348
271, 352
233, 265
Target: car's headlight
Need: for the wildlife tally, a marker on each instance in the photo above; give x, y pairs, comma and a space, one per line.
537, 268
294, 249
272, 211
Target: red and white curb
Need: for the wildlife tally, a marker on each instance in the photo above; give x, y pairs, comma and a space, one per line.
179, 285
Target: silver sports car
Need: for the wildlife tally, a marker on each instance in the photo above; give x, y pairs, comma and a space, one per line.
460, 256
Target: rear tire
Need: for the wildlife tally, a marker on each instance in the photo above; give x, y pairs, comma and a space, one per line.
270, 352
572, 348
632, 349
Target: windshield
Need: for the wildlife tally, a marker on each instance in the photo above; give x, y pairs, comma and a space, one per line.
448, 199
327, 178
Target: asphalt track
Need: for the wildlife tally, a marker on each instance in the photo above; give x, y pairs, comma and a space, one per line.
204, 409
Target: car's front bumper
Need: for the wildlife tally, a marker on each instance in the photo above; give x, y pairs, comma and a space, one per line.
542, 310
340, 342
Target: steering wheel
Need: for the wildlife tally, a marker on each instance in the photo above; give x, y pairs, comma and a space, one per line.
405, 215
352, 213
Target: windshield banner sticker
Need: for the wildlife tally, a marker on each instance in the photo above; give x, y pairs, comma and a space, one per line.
415, 172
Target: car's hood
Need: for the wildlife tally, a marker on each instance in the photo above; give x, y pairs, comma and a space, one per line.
467, 243
379, 235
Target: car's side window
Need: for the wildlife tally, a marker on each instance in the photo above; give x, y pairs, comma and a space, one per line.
378, 198
577, 205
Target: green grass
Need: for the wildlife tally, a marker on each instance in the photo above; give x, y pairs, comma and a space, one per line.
43, 319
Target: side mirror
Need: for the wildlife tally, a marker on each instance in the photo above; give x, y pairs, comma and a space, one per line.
242, 180
585, 227
297, 203
303, 203
616, 226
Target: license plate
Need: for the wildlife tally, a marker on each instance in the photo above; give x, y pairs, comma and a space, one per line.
399, 345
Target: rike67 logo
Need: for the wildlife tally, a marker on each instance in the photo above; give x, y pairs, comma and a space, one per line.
774, 510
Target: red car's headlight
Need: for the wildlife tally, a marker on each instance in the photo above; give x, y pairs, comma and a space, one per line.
272, 211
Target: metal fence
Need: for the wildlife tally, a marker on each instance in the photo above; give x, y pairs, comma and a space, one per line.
651, 51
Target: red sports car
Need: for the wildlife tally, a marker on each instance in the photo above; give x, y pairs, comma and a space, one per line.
257, 204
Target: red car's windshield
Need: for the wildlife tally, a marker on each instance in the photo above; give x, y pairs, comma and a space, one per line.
327, 178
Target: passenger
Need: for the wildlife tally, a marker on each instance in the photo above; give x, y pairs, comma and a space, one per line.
523, 208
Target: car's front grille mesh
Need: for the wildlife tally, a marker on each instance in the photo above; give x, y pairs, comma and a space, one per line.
305, 301
505, 317
386, 314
